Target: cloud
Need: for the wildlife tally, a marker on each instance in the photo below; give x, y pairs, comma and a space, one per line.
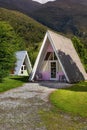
43, 1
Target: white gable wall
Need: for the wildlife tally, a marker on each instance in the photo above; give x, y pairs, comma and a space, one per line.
37, 60
21, 57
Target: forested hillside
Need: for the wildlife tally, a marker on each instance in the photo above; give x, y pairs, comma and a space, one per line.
31, 31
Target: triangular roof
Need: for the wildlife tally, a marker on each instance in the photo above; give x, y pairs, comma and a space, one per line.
20, 56
66, 55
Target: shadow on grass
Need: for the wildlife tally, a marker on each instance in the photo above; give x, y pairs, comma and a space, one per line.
20, 78
80, 87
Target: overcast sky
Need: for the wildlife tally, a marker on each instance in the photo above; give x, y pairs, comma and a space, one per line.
42, 1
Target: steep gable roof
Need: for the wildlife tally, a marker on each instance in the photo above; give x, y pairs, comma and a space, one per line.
66, 55
21, 55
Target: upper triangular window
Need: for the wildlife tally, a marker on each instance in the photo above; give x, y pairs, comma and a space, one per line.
50, 56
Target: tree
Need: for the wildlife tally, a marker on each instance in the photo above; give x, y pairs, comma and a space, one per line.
9, 44
81, 50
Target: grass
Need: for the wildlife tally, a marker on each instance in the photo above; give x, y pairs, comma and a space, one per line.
12, 82
69, 109
55, 120
72, 100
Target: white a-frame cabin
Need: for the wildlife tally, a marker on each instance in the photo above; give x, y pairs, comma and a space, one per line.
23, 65
58, 60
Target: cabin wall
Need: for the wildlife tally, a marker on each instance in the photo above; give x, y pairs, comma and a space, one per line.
45, 70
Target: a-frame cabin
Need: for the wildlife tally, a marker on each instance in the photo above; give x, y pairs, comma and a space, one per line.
58, 60
23, 65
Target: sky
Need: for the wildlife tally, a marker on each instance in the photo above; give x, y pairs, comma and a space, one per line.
43, 1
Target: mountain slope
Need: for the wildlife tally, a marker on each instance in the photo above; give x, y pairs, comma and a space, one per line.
31, 31
66, 16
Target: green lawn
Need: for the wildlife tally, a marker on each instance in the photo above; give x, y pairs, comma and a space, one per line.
72, 100
57, 120
12, 82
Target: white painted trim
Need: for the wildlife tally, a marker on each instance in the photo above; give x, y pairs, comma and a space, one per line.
51, 41
30, 66
21, 65
26, 54
43, 59
37, 59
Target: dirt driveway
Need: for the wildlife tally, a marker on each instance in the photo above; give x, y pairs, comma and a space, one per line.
19, 107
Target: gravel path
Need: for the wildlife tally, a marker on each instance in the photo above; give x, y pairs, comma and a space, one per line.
19, 107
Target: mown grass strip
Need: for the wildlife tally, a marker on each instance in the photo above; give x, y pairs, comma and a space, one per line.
72, 100
12, 82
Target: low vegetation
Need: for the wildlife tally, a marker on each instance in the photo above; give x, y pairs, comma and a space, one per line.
57, 120
10, 42
72, 100
81, 50
12, 82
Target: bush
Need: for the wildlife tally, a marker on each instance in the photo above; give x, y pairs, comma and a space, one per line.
81, 50
9, 43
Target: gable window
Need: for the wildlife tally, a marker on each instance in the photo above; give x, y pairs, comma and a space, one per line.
50, 56
47, 55
23, 68
55, 58
22, 72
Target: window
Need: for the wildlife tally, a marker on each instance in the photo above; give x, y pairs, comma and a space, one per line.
55, 58
21, 71
50, 56
47, 55
23, 68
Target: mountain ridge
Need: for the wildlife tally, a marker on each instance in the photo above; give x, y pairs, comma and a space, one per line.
65, 16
